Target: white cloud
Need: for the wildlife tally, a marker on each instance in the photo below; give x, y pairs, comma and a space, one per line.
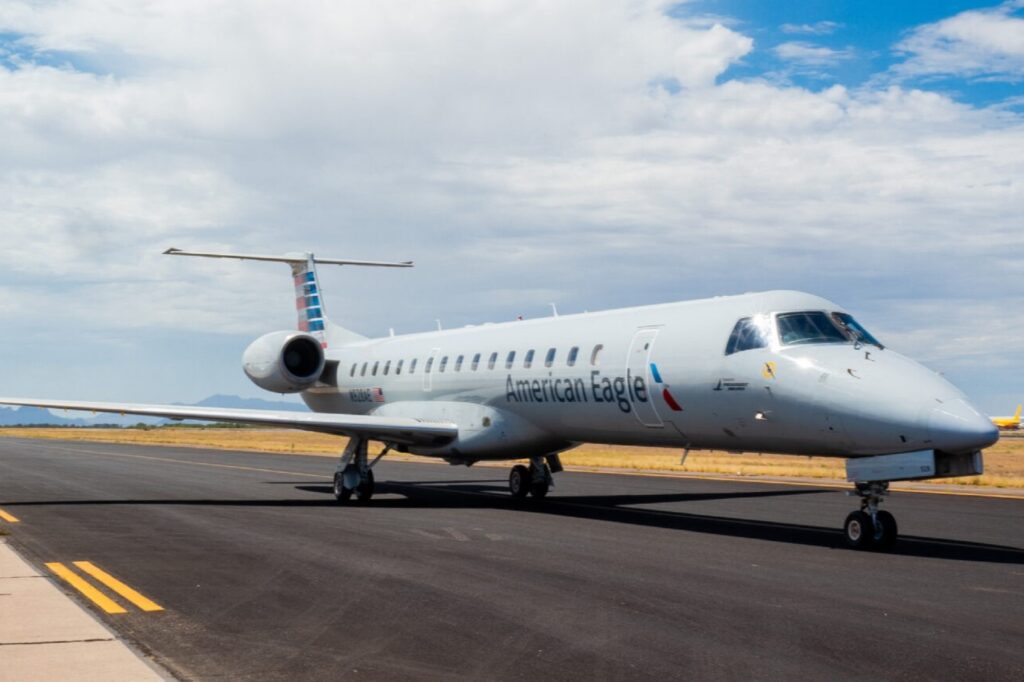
975, 43
506, 146
819, 28
808, 54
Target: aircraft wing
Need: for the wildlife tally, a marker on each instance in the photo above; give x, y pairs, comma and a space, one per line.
398, 430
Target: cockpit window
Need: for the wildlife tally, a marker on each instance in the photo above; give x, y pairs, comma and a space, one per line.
809, 327
854, 330
749, 333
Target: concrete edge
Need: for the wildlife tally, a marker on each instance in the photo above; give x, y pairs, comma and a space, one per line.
116, 647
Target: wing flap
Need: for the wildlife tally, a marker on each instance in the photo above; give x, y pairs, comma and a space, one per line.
398, 430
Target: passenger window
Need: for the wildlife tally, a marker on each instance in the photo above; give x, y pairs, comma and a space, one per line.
444, 363
412, 366
362, 372
387, 367
510, 359
353, 372
398, 367
458, 363
748, 334
595, 357
376, 364
430, 364
528, 360
550, 359
476, 362
573, 352
492, 361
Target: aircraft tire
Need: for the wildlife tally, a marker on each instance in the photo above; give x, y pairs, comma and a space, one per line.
341, 493
858, 530
539, 489
886, 531
365, 489
519, 481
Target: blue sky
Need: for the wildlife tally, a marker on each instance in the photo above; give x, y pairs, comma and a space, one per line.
595, 155
864, 38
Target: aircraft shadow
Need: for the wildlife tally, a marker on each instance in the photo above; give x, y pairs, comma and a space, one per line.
614, 508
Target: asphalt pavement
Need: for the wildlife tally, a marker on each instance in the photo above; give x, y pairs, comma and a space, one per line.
261, 575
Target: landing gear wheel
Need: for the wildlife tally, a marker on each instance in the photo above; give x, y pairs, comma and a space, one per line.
540, 480
519, 481
539, 489
364, 491
885, 530
859, 530
341, 493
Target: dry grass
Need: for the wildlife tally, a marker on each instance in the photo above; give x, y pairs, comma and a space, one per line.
1004, 463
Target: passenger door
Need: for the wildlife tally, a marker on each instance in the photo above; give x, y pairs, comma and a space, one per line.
638, 364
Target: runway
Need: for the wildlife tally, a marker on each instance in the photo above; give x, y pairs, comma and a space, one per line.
261, 575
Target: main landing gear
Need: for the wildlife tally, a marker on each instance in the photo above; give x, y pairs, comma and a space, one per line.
870, 528
535, 480
354, 475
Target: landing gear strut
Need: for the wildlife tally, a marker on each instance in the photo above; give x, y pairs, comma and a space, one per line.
534, 480
354, 475
870, 527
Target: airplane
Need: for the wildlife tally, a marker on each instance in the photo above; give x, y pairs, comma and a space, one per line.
772, 372
1008, 423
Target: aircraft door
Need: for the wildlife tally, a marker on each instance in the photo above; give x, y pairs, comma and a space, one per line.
429, 367
638, 364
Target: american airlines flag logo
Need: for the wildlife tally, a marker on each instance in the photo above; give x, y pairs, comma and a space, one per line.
307, 304
377, 394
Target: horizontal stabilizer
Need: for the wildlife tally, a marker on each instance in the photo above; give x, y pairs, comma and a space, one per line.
291, 258
398, 430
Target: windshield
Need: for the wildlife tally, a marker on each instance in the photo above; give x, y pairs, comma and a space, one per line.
809, 327
854, 330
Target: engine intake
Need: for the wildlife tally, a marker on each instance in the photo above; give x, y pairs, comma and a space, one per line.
284, 362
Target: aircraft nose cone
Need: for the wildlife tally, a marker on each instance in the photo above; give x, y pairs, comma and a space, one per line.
956, 426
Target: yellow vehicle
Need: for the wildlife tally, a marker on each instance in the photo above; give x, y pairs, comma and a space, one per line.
1008, 423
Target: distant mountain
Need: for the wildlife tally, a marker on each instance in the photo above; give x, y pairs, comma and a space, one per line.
32, 416
35, 416
235, 402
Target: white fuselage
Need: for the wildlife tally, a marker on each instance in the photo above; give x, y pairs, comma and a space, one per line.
654, 375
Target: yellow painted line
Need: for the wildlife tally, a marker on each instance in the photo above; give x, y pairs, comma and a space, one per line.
95, 596
9, 518
118, 586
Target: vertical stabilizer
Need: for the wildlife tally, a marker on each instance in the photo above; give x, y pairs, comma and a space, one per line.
308, 306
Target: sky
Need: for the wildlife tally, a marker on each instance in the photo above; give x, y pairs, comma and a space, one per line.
594, 155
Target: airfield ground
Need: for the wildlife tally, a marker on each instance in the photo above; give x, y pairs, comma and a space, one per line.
1004, 462
260, 574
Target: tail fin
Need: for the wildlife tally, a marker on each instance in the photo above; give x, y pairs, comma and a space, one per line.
1016, 415
308, 298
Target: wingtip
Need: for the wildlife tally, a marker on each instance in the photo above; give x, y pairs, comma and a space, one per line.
171, 251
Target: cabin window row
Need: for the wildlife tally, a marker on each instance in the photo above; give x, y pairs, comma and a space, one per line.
386, 367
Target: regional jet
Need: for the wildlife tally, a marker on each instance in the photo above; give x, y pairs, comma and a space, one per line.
772, 372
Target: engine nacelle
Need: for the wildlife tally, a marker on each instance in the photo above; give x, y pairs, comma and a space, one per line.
284, 362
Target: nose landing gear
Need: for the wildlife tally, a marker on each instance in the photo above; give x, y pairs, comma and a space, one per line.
870, 527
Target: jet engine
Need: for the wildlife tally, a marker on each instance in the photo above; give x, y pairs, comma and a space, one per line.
284, 362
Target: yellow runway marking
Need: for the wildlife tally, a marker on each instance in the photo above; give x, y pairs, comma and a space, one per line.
118, 586
9, 518
91, 593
